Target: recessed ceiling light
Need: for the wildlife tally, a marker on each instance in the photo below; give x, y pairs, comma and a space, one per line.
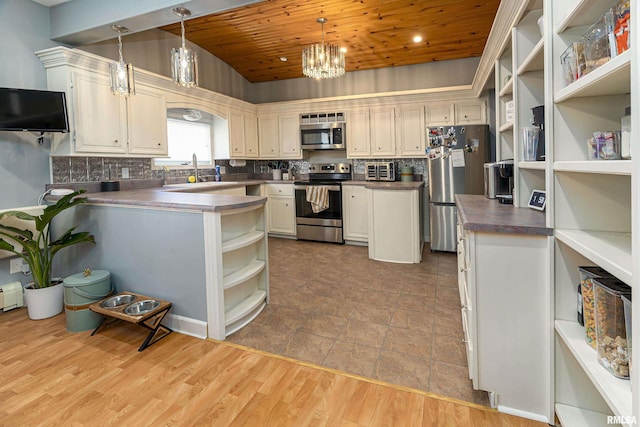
343, 49
284, 59
417, 39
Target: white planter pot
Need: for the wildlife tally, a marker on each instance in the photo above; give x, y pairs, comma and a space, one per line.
45, 302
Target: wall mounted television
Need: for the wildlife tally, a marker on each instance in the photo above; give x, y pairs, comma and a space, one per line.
33, 110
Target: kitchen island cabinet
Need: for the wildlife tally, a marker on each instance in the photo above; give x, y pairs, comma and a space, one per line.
206, 253
395, 219
502, 272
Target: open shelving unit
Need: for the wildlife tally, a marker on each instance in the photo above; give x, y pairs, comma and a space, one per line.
240, 288
519, 74
592, 211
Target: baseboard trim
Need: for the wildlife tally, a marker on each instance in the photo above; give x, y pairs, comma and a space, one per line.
186, 325
523, 414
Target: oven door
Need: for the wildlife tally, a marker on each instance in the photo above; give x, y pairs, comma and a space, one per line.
325, 226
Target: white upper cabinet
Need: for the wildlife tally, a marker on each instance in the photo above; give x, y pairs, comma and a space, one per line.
471, 113
371, 133
411, 130
102, 123
462, 112
358, 133
251, 150
243, 135
290, 136
97, 117
383, 132
440, 114
147, 123
268, 137
236, 134
279, 136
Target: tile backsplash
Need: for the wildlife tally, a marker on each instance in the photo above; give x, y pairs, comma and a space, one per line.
97, 169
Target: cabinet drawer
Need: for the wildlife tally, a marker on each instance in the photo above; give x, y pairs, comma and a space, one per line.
280, 190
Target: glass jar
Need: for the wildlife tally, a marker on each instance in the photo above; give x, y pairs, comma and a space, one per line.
625, 132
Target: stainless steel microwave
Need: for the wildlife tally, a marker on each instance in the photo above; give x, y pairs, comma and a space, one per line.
323, 136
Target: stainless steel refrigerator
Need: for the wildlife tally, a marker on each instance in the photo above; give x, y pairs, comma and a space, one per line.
456, 159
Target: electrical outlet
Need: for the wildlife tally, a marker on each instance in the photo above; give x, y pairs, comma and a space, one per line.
125, 173
15, 265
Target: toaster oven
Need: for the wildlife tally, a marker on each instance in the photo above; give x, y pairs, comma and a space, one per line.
380, 171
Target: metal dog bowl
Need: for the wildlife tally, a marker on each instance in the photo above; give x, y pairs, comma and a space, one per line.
118, 301
142, 307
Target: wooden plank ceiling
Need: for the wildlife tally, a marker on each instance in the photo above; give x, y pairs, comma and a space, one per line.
376, 33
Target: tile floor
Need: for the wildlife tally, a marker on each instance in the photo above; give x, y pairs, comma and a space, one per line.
333, 306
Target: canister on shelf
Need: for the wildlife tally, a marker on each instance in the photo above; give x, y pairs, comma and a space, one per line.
611, 333
587, 274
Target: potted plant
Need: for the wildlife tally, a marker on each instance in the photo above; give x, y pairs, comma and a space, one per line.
44, 297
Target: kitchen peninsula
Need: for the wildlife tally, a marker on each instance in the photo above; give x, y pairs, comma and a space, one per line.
206, 253
501, 275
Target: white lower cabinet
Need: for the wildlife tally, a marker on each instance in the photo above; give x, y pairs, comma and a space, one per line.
355, 213
281, 206
505, 304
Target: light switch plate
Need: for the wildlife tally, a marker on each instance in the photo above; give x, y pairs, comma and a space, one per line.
15, 266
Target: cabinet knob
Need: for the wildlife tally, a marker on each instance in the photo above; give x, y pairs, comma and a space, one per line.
465, 116
446, 117
416, 147
286, 204
159, 144
353, 197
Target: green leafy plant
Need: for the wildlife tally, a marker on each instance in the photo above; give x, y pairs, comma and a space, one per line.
37, 248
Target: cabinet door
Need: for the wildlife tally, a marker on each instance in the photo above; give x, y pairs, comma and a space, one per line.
440, 115
250, 136
290, 137
147, 123
358, 134
99, 116
268, 137
356, 213
236, 134
282, 215
467, 114
383, 134
411, 128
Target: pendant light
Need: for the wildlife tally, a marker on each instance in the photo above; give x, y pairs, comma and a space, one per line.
322, 61
121, 74
183, 61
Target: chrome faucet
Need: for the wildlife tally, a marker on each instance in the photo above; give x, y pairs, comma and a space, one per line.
195, 165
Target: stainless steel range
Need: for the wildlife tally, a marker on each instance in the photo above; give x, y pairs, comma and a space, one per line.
319, 202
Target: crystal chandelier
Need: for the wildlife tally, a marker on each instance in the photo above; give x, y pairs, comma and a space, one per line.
322, 61
183, 61
121, 74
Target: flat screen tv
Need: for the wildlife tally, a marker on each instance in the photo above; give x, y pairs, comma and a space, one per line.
33, 110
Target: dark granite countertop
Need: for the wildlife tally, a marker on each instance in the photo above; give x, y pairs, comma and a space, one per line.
479, 213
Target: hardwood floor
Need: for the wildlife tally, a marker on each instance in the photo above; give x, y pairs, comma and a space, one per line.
53, 377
